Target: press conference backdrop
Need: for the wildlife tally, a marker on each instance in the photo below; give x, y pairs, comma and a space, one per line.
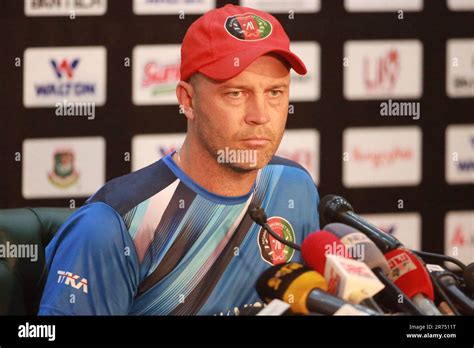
385, 116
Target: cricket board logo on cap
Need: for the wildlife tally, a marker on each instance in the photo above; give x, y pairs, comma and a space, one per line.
271, 250
248, 27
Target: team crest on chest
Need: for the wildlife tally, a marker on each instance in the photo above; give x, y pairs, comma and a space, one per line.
271, 250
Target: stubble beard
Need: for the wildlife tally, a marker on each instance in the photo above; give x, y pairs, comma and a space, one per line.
214, 145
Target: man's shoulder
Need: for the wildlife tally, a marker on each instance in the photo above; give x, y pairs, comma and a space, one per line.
127, 191
294, 178
293, 170
91, 216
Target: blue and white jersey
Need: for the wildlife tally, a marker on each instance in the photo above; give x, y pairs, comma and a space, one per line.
154, 242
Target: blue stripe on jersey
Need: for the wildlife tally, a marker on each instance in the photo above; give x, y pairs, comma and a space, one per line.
138, 217
168, 293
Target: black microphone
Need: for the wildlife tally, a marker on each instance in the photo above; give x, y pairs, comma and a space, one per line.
334, 208
450, 285
258, 215
437, 258
468, 276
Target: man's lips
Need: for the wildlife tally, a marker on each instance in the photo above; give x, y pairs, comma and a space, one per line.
256, 141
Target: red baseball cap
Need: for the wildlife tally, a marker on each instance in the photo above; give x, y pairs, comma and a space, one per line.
225, 41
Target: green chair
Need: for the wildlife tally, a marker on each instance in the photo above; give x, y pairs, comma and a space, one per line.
22, 279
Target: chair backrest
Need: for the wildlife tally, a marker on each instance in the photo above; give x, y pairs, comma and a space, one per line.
24, 234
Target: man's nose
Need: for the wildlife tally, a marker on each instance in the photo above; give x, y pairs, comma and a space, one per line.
256, 111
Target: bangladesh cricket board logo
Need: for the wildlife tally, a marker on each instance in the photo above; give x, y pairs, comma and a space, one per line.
64, 173
248, 27
271, 250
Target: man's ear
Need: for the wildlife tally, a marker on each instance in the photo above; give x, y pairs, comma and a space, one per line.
184, 93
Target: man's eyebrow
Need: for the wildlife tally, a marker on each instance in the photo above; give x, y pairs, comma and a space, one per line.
241, 86
280, 85
231, 85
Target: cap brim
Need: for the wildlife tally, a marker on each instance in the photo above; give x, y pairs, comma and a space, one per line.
226, 68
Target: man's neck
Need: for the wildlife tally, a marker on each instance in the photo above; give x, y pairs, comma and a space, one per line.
204, 169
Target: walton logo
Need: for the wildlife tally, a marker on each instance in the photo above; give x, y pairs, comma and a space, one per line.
70, 279
466, 164
64, 67
384, 73
66, 86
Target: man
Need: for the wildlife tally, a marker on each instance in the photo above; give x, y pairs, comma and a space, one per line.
175, 238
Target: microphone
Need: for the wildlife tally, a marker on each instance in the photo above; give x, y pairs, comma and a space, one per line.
317, 245
351, 280
304, 290
334, 208
409, 274
275, 307
360, 247
437, 258
337, 209
444, 298
449, 283
468, 276
445, 309
368, 252
348, 279
257, 214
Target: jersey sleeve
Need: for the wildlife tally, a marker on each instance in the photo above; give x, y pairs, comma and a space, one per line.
92, 263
